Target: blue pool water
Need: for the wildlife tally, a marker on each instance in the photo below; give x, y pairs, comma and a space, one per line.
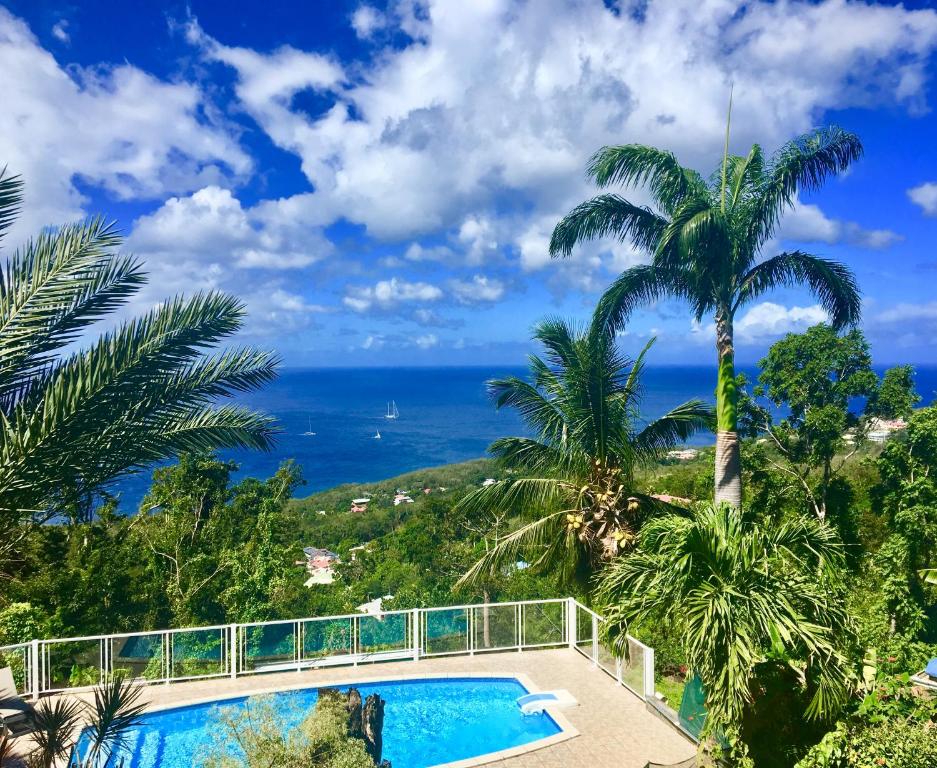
426, 722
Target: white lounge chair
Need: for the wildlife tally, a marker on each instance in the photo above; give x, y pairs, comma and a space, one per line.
12, 707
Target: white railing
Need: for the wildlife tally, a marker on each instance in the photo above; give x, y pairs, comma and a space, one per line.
232, 650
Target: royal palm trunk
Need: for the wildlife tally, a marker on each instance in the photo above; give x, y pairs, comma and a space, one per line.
728, 456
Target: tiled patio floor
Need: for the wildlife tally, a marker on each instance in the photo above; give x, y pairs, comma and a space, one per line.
615, 728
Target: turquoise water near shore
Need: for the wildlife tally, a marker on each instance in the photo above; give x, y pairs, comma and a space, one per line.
445, 417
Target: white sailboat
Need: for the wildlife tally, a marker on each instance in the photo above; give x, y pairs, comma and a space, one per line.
309, 432
392, 412
377, 435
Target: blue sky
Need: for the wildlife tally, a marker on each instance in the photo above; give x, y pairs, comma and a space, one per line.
378, 181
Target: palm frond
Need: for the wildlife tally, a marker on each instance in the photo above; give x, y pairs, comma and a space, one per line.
637, 164
802, 164
607, 216
832, 283
637, 286
540, 542
674, 427
11, 197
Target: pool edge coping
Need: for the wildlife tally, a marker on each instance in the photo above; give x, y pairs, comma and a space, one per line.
567, 729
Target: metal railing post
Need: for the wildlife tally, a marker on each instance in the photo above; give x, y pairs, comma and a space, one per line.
34, 669
650, 689
233, 652
571, 622
415, 639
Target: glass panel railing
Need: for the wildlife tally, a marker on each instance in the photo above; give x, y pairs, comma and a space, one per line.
72, 664
445, 631
198, 653
138, 656
632, 667
495, 627
386, 633
325, 638
268, 647
544, 624
607, 661
17, 658
584, 630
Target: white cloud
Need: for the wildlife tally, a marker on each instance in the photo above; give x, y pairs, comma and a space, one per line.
426, 341
373, 341
768, 320
495, 101
209, 241
211, 225
387, 294
905, 325
60, 31
925, 197
366, 20
116, 127
807, 223
477, 290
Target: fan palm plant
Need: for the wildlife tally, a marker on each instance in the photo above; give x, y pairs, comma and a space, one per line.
87, 736
705, 241
577, 474
737, 589
77, 412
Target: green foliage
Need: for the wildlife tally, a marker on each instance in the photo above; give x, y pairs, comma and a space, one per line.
896, 397
736, 588
22, 623
75, 418
814, 375
253, 736
577, 473
907, 497
705, 240
895, 726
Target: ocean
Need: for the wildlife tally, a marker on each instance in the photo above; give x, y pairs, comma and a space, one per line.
445, 417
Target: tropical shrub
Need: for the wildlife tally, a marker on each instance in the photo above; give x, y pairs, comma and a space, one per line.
738, 590
254, 736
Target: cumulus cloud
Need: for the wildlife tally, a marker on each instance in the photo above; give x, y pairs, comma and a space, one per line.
209, 241
807, 223
115, 127
387, 294
493, 102
211, 225
480, 289
925, 197
768, 320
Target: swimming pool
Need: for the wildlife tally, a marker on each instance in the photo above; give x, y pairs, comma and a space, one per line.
426, 722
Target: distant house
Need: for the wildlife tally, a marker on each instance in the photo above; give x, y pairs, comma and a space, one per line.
402, 498
320, 564
360, 505
488, 482
683, 454
881, 429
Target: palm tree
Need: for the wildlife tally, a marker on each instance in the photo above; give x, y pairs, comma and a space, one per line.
577, 473
736, 589
78, 412
705, 240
